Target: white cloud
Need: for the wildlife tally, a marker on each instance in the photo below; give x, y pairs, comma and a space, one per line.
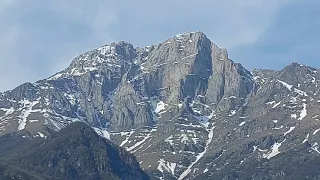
38, 34
40, 37
228, 23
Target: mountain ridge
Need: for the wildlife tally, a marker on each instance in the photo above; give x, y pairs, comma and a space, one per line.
182, 107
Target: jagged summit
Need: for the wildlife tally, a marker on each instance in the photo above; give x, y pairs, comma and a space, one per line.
189, 36
123, 54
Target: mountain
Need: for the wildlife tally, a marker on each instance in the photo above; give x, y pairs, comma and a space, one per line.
75, 152
183, 108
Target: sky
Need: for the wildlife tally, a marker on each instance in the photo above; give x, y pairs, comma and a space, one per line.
39, 38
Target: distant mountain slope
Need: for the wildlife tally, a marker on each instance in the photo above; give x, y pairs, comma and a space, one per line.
182, 107
76, 152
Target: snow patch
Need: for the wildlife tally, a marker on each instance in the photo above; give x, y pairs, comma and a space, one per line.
203, 119
315, 147
127, 138
102, 132
71, 98
271, 102
27, 109
184, 138
205, 170
274, 106
289, 131
167, 166
140, 142
302, 93
55, 77
303, 113
277, 128
293, 116
160, 107
315, 132
275, 150
42, 135
288, 86
199, 156
8, 111
306, 138
232, 112
33, 120
241, 124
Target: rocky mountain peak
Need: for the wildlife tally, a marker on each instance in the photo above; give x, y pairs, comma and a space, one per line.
190, 36
294, 74
106, 86
182, 106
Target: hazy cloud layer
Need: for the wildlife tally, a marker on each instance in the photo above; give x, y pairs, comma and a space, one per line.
38, 38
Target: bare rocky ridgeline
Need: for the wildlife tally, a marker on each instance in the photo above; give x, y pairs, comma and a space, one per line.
183, 108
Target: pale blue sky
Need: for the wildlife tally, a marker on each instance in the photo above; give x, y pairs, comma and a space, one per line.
40, 37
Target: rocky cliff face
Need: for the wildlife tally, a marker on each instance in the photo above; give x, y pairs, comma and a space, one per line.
182, 107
